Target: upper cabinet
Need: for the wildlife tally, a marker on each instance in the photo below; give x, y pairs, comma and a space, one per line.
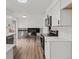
61, 12
56, 13
66, 17
66, 13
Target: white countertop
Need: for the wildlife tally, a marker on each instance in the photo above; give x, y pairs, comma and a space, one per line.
48, 38
53, 38
9, 47
8, 34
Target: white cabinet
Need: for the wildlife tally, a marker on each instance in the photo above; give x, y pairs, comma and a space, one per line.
56, 13
9, 51
66, 17
60, 50
60, 15
9, 54
47, 49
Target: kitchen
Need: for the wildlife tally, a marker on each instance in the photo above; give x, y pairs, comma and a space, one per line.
49, 21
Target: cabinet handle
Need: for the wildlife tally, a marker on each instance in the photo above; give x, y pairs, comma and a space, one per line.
58, 22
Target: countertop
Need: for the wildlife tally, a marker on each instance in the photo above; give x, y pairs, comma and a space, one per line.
53, 38
9, 47
8, 34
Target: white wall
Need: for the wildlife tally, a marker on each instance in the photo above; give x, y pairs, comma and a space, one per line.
35, 21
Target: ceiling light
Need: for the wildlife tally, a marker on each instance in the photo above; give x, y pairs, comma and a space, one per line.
22, 1
24, 16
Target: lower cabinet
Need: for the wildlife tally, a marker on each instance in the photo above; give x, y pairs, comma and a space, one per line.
9, 54
58, 50
47, 50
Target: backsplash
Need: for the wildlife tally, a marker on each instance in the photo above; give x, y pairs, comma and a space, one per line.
64, 32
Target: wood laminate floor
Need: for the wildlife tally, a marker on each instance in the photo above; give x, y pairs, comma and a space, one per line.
28, 48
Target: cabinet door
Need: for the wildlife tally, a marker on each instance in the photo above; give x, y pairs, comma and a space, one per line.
56, 13
60, 50
47, 49
66, 17
9, 54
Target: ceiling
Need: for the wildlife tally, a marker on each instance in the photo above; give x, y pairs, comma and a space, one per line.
31, 7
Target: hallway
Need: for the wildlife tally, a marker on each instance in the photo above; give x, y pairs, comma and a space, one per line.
28, 48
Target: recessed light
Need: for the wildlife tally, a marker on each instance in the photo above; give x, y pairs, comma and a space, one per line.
24, 16
22, 1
